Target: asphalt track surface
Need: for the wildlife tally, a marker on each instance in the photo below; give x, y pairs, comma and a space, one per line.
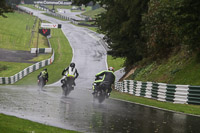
16, 56
78, 111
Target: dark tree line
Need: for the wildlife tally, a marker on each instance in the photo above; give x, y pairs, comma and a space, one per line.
4, 8
121, 23
139, 29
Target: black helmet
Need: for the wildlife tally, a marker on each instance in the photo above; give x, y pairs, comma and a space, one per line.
45, 69
72, 64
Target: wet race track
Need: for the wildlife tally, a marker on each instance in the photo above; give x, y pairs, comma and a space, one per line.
78, 111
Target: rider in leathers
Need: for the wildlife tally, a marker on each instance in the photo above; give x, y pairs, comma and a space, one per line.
108, 76
45, 75
71, 71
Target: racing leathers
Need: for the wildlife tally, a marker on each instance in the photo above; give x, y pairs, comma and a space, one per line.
70, 72
106, 76
44, 75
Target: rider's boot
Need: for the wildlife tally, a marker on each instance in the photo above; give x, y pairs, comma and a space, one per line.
62, 85
93, 92
108, 95
74, 83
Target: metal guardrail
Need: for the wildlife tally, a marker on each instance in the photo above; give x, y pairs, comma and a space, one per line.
26, 71
183, 94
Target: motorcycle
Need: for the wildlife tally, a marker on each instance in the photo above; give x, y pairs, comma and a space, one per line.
41, 82
100, 91
68, 85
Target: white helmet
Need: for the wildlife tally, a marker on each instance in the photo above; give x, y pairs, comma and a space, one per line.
111, 69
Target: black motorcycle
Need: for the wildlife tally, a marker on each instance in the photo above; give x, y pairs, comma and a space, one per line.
68, 85
100, 91
41, 82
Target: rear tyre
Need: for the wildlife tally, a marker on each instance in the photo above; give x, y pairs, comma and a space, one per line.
41, 83
102, 97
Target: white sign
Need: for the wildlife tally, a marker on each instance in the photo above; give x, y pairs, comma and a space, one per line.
49, 25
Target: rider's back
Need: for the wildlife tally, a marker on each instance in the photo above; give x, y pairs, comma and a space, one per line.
109, 76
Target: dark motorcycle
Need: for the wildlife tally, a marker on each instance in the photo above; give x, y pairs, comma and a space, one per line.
100, 91
68, 85
41, 82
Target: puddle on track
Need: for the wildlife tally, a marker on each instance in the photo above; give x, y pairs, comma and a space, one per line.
79, 112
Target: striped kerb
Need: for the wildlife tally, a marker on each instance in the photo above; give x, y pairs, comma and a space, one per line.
154, 91
170, 92
194, 95
143, 89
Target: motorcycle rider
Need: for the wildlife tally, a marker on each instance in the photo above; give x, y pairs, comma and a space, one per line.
70, 71
44, 75
108, 77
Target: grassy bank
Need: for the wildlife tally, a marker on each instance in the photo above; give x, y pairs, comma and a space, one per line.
63, 56
15, 34
184, 108
11, 68
16, 31
117, 63
181, 68
11, 124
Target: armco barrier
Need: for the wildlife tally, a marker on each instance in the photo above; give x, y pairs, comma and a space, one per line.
183, 94
26, 71
41, 50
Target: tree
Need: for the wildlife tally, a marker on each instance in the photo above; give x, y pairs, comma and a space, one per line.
122, 24
189, 23
4, 8
159, 26
80, 2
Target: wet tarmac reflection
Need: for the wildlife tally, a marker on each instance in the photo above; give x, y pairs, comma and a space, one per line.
79, 112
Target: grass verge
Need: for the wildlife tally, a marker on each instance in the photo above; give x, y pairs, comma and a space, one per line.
117, 63
15, 34
183, 108
94, 13
11, 124
181, 68
63, 56
31, 6
11, 68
